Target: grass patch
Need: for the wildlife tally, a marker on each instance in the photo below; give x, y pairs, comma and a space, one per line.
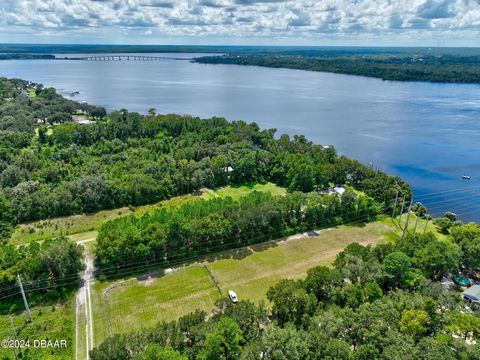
237, 191
134, 304
250, 271
84, 236
100, 312
53, 322
31, 92
420, 226
44, 229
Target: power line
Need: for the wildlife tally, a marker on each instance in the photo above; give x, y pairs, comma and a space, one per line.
146, 266
129, 266
116, 268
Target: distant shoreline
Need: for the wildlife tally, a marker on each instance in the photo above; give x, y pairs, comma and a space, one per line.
27, 57
229, 49
393, 67
434, 65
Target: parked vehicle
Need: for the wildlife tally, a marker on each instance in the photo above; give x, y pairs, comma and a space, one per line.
233, 296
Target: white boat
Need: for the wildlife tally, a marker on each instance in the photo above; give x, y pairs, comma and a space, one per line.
466, 177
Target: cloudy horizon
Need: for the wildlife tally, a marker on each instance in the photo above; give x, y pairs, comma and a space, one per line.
243, 22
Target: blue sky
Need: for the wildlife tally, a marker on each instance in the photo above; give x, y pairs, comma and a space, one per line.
251, 22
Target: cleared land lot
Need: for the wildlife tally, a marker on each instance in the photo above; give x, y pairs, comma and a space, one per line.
249, 271
190, 288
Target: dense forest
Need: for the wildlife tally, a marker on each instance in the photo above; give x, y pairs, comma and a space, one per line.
166, 236
51, 166
382, 302
49, 271
458, 68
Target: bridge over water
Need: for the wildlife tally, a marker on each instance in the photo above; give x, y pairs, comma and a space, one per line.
123, 58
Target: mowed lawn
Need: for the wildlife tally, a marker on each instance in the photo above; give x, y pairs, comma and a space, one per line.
236, 192
249, 271
148, 301
252, 271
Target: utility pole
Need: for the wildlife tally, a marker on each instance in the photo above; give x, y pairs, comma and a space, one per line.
24, 298
395, 206
425, 227
405, 229
401, 213
416, 222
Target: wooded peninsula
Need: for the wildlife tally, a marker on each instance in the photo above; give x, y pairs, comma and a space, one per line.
417, 66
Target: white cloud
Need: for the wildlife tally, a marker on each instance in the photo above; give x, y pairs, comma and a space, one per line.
288, 20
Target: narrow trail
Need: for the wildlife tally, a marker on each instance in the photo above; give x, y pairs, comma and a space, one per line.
84, 302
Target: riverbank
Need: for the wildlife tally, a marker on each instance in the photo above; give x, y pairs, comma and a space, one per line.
395, 67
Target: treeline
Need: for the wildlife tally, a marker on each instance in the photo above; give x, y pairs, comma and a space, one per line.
169, 235
461, 68
26, 57
131, 159
375, 303
49, 271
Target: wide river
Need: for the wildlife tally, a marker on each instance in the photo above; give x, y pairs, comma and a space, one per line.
426, 133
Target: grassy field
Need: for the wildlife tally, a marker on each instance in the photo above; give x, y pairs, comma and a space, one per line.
48, 322
161, 298
420, 228
70, 225
83, 227
252, 271
236, 192
249, 271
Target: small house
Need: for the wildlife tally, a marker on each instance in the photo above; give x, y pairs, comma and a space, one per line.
472, 296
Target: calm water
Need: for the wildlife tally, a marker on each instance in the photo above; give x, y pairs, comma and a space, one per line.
428, 134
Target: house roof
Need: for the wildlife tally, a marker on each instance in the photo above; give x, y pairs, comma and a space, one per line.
473, 291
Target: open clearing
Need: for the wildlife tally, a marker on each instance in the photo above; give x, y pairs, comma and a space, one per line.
236, 192
250, 271
191, 288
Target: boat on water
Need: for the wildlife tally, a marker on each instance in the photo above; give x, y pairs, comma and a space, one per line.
466, 177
